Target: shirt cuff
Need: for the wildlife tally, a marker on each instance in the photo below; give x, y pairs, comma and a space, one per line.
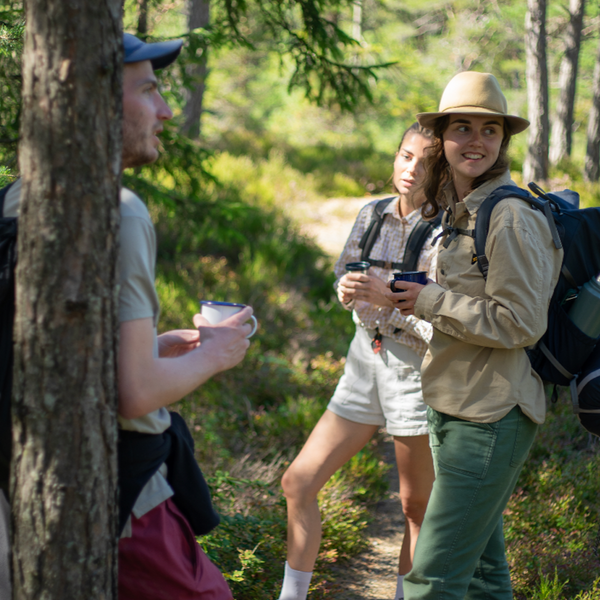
427, 298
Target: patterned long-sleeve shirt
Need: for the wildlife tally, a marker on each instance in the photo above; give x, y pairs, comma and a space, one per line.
389, 247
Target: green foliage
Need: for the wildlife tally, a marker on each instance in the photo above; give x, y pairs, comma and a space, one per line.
6, 176
251, 534
308, 33
249, 545
11, 47
551, 522
550, 588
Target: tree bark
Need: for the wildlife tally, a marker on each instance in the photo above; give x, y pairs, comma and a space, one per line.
357, 20
198, 16
591, 170
535, 167
64, 471
562, 130
142, 27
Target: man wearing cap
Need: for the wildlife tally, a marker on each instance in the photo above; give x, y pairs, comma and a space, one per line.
163, 499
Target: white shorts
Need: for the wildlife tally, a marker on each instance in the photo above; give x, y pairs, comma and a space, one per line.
381, 389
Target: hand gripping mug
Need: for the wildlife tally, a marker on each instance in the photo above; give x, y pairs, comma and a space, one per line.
415, 276
215, 312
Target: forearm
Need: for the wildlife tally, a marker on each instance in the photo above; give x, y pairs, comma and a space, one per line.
481, 321
148, 382
146, 388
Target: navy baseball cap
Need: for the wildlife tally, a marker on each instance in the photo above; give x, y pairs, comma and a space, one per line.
160, 54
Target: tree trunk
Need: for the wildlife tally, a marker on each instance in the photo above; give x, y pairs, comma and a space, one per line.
64, 471
198, 16
357, 20
562, 130
535, 167
591, 170
142, 27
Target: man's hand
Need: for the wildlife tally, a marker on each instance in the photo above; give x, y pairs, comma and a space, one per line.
177, 342
367, 288
226, 343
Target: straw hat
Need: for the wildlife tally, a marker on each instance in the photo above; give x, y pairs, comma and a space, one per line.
472, 93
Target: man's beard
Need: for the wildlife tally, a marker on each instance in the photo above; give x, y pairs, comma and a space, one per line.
138, 149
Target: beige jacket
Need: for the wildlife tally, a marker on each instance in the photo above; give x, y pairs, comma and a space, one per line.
476, 367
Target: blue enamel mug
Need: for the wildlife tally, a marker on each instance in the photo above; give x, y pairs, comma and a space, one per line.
415, 276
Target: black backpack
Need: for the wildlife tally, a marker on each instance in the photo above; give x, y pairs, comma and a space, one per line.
8, 259
564, 355
415, 243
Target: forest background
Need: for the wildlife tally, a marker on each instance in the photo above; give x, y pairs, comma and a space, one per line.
225, 199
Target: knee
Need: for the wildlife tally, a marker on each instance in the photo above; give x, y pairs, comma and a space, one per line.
414, 508
297, 488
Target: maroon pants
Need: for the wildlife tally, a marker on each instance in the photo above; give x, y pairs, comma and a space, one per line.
163, 561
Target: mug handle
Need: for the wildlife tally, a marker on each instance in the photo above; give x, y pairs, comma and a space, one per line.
254, 328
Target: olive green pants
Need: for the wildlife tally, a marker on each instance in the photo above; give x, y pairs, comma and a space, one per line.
460, 551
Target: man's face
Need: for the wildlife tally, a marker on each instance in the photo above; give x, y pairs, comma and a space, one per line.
144, 111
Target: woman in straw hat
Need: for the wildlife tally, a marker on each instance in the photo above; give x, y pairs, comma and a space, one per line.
484, 399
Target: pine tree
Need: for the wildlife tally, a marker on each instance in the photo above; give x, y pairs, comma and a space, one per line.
64, 477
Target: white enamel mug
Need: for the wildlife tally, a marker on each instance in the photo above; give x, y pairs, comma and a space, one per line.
215, 312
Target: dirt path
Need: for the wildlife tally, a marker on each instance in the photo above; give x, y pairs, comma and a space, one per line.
372, 574
329, 223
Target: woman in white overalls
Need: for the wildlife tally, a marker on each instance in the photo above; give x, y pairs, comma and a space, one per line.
381, 385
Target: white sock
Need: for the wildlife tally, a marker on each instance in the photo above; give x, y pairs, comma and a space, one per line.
400, 588
295, 584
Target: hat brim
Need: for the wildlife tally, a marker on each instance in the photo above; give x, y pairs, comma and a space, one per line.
428, 120
160, 54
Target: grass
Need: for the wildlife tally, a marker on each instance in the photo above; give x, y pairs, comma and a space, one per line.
551, 521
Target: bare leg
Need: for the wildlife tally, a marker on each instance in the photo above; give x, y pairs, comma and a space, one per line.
415, 468
332, 443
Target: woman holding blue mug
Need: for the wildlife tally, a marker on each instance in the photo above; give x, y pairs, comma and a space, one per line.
381, 385
484, 399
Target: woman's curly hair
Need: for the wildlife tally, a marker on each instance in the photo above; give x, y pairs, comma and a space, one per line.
438, 172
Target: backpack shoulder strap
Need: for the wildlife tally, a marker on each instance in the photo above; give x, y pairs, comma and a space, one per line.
372, 232
3, 193
416, 241
482, 223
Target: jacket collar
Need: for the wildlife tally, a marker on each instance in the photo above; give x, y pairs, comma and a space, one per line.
473, 201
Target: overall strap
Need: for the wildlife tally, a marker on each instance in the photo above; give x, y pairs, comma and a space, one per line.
372, 233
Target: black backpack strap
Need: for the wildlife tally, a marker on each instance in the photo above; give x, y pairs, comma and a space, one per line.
482, 223
8, 236
416, 241
372, 233
3, 193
